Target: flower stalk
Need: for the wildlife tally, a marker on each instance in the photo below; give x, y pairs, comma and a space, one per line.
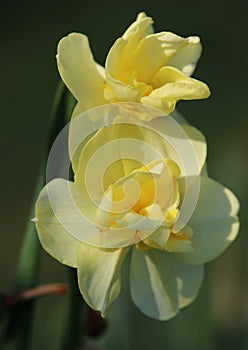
18, 328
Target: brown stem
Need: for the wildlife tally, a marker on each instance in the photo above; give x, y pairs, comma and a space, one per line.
43, 290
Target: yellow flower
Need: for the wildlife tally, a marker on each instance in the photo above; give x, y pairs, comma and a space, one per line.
133, 192
153, 69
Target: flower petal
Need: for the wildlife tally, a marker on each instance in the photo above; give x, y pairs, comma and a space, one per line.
66, 211
138, 222
185, 59
141, 188
117, 89
79, 71
54, 238
99, 275
199, 145
115, 154
80, 106
214, 222
129, 57
183, 144
172, 86
122, 141
140, 28
151, 54
180, 119
160, 284
158, 239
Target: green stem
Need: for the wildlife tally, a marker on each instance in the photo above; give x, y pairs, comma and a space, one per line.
18, 328
74, 327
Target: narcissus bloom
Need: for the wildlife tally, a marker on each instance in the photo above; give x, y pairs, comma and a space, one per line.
133, 193
141, 66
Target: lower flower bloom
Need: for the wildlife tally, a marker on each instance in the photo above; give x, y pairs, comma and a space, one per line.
136, 206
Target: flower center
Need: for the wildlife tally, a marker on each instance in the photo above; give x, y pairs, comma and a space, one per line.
149, 193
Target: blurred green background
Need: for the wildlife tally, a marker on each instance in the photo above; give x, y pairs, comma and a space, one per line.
30, 31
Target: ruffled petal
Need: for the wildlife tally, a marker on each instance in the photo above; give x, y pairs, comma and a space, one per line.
161, 285
158, 239
151, 54
119, 87
79, 71
186, 58
140, 28
117, 90
214, 222
172, 86
99, 275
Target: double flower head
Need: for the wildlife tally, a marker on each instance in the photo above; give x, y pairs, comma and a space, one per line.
140, 193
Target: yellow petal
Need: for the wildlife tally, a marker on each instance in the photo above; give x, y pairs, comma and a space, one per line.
185, 58
67, 216
151, 54
140, 28
99, 275
199, 147
146, 186
79, 71
54, 237
179, 243
117, 89
161, 285
149, 29
172, 86
214, 222
158, 239
115, 158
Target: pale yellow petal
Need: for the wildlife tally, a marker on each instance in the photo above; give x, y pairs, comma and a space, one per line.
179, 243
214, 222
99, 275
165, 85
54, 237
186, 58
151, 54
118, 89
149, 29
158, 239
138, 30
172, 87
161, 285
79, 71
199, 145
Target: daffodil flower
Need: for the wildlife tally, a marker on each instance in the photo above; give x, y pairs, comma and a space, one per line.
134, 208
141, 66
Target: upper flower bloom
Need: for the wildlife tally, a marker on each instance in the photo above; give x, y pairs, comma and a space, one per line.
153, 69
133, 192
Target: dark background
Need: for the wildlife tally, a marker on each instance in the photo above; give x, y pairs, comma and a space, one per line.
30, 31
